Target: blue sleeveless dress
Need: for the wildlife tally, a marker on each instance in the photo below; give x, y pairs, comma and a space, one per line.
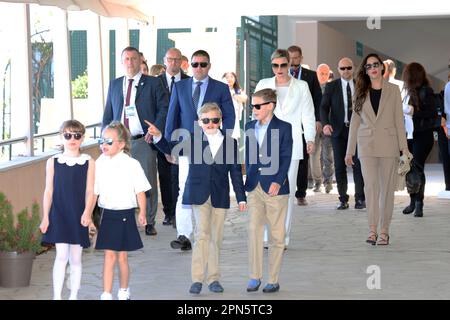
68, 202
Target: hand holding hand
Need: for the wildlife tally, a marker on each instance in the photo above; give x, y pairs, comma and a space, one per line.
243, 206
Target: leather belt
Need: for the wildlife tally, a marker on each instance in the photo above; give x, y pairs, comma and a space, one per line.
138, 136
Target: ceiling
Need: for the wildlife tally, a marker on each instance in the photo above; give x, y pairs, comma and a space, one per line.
424, 40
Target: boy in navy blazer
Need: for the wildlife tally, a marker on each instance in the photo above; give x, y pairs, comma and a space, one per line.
268, 156
213, 155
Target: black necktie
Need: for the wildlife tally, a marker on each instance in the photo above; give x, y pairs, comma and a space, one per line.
172, 83
196, 95
349, 99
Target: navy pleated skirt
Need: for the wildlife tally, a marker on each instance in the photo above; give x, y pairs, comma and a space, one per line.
118, 231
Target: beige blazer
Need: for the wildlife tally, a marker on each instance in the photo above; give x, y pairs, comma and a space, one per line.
297, 109
381, 135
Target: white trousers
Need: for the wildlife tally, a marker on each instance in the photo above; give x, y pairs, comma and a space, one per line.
183, 212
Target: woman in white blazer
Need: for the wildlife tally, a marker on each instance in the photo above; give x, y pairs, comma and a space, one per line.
294, 105
378, 129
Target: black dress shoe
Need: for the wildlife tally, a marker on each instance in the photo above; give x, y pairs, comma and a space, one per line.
167, 221
182, 243
360, 204
150, 230
342, 206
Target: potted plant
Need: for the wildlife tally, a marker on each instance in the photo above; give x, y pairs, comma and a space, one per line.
19, 243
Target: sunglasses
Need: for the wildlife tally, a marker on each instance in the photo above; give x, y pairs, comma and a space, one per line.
201, 64
213, 120
346, 68
108, 141
295, 65
369, 66
68, 136
258, 106
281, 65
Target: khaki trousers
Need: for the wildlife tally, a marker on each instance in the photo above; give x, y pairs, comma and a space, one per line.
263, 210
379, 187
208, 233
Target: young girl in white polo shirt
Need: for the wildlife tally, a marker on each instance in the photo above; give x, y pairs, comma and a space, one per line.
120, 184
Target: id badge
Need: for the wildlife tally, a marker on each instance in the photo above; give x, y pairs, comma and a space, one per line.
130, 111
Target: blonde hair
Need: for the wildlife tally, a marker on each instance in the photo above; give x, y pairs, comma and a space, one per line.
122, 133
280, 53
208, 107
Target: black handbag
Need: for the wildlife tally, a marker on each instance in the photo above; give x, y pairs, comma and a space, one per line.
414, 178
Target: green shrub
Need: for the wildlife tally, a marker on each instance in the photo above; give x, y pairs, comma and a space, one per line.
80, 86
21, 236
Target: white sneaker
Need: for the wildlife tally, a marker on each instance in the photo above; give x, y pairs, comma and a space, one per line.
106, 296
123, 294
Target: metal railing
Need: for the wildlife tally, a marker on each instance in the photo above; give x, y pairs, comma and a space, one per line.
10, 142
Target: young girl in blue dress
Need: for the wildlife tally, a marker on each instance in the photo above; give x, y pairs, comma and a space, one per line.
67, 206
120, 184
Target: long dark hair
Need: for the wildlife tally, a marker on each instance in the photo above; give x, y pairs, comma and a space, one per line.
237, 88
415, 77
363, 83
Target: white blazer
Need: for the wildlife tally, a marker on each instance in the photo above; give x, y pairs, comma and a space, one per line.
297, 109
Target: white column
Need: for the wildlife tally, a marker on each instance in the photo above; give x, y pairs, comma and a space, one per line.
96, 96
21, 79
122, 41
62, 67
147, 42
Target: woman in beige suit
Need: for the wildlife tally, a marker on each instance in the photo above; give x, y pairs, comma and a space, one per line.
377, 127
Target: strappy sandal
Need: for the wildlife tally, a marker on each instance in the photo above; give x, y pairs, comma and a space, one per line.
383, 240
372, 238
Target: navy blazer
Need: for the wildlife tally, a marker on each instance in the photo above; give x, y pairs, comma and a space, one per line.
183, 114
269, 162
151, 102
207, 176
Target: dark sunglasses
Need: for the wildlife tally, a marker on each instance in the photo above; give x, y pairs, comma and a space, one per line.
369, 66
258, 106
346, 68
213, 120
68, 136
282, 65
108, 141
295, 65
201, 64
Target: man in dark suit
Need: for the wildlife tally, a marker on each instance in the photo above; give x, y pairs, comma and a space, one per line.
296, 57
187, 97
167, 171
133, 99
336, 111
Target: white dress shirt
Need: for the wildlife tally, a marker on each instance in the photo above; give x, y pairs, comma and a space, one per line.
344, 94
215, 141
133, 122
169, 78
117, 181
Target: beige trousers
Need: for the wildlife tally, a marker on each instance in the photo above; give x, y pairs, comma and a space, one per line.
208, 233
264, 209
379, 187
